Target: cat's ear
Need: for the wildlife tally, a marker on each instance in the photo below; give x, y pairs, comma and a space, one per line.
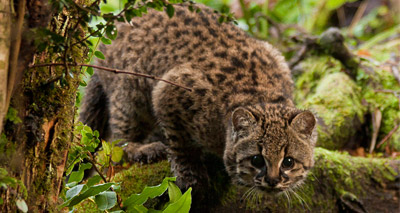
304, 123
242, 120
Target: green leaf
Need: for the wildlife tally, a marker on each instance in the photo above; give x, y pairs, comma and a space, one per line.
12, 115
85, 166
89, 70
174, 192
78, 175
105, 40
137, 209
74, 191
91, 191
82, 83
96, 133
106, 200
117, 154
148, 192
111, 32
93, 180
129, 14
106, 147
221, 19
333, 4
21, 204
99, 54
170, 10
182, 205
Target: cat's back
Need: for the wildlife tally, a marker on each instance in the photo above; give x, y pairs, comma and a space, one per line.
161, 42
232, 61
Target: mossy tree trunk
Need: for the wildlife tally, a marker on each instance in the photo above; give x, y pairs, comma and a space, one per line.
34, 146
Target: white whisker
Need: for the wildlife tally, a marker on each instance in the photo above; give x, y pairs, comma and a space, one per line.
302, 201
289, 201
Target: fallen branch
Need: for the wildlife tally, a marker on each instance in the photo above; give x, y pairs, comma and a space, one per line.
117, 71
330, 42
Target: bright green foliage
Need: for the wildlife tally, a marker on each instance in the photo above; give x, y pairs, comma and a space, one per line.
12, 115
110, 153
106, 200
89, 140
148, 192
182, 204
104, 195
77, 176
177, 203
79, 194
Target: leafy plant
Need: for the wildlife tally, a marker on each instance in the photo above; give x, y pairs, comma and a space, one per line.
177, 201
100, 189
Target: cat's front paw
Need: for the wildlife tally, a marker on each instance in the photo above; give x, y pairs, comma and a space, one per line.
145, 153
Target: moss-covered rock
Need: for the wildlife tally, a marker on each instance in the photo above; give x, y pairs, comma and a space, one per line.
334, 97
337, 103
379, 92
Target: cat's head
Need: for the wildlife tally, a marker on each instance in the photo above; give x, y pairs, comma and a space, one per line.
270, 146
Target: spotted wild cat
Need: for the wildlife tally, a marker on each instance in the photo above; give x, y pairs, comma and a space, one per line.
241, 106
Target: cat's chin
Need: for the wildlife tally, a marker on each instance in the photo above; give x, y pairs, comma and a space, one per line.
271, 190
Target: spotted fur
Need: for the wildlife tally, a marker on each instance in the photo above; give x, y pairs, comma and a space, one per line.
241, 104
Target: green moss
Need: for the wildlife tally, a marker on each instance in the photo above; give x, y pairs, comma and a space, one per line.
333, 96
387, 103
134, 179
337, 103
315, 68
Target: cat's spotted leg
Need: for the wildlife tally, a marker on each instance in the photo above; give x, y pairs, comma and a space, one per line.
176, 110
131, 120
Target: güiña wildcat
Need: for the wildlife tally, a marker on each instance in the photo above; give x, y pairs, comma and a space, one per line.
240, 106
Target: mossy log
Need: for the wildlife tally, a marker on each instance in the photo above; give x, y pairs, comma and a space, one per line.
338, 182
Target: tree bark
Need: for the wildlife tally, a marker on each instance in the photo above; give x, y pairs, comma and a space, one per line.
5, 38
35, 150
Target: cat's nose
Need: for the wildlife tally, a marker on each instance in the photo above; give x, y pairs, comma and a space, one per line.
272, 182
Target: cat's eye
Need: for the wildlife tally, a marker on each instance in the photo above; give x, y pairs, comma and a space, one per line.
257, 161
287, 163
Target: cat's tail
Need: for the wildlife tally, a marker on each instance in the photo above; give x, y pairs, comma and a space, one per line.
94, 109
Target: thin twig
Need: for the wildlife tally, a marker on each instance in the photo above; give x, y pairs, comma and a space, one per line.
86, 38
357, 17
117, 71
388, 135
376, 124
387, 91
91, 159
